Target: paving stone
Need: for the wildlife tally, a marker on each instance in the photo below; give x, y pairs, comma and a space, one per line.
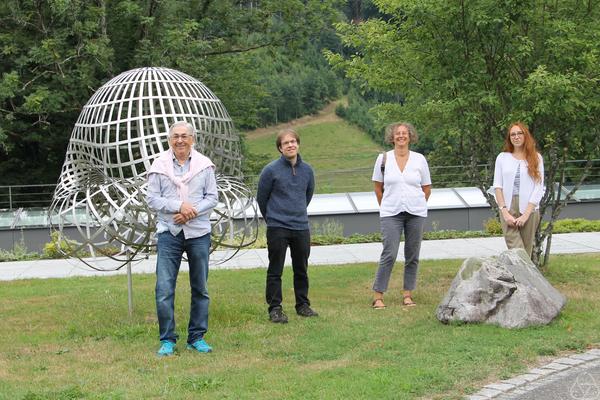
489, 393
586, 357
543, 372
568, 361
476, 397
595, 352
530, 377
555, 366
516, 381
503, 387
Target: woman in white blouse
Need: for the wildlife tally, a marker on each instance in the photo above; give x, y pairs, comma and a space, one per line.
402, 187
519, 187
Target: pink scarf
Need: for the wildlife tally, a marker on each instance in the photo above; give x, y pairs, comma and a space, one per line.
164, 165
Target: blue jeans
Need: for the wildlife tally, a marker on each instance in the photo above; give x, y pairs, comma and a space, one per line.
170, 251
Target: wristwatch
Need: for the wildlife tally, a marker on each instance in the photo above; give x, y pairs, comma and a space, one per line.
503, 207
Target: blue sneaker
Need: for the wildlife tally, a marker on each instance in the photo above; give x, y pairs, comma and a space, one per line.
200, 346
167, 348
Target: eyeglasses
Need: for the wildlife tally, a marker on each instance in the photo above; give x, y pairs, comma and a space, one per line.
182, 137
292, 141
517, 134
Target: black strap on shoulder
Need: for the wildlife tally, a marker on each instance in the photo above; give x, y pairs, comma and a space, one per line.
384, 159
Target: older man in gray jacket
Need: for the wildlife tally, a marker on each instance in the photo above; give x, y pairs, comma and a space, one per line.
182, 189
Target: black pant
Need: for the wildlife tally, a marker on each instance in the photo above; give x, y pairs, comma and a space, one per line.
278, 239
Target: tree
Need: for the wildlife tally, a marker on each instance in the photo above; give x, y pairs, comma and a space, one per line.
469, 68
218, 42
54, 54
57, 52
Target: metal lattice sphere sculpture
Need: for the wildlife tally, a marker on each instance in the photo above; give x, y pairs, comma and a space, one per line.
120, 131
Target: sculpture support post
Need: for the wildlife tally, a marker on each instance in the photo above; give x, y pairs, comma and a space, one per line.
129, 289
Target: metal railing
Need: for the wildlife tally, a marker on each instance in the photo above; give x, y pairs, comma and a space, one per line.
25, 196
343, 181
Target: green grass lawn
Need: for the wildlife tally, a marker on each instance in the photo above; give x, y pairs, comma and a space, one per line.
72, 338
334, 149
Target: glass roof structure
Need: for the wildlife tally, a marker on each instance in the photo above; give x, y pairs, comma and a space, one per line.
585, 192
336, 203
325, 204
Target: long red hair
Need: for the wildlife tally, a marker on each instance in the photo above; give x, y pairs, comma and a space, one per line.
529, 145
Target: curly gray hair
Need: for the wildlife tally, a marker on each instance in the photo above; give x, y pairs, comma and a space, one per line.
391, 128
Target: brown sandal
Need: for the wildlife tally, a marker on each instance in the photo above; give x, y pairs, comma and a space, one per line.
408, 301
377, 306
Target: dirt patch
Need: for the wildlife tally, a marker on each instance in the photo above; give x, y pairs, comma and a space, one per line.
3, 368
327, 114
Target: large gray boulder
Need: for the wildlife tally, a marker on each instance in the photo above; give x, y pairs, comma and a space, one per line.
507, 290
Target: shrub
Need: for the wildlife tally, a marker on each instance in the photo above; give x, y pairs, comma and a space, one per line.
452, 234
575, 225
340, 111
492, 227
363, 238
108, 251
329, 227
18, 253
324, 240
60, 246
261, 238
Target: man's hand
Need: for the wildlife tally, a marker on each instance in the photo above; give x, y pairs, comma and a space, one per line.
179, 219
188, 211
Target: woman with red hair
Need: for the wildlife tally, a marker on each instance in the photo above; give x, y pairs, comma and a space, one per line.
519, 187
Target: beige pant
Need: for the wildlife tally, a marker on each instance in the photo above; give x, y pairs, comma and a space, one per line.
524, 236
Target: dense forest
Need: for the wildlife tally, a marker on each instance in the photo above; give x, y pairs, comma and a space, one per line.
263, 59
459, 70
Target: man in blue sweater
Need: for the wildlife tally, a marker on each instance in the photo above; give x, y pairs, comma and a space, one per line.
285, 188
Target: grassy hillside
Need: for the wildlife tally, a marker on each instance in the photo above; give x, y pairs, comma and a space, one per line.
341, 154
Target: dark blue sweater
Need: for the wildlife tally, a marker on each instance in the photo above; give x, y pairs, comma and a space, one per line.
284, 192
